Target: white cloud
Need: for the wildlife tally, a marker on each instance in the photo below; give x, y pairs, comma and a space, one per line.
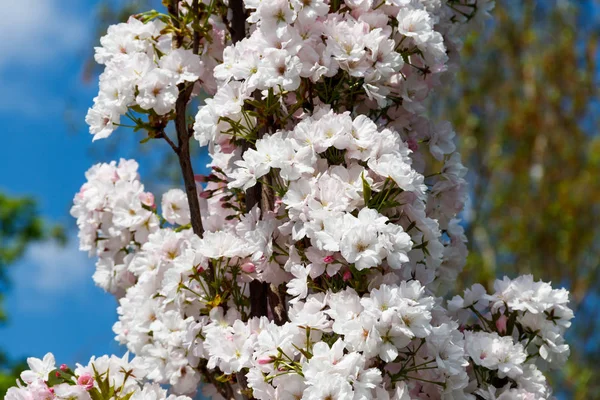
49, 273
53, 268
38, 31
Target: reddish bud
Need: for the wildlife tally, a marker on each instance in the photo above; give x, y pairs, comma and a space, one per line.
86, 381
147, 199
347, 276
501, 324
412, 144
200, 178
205, 195
64, 367
248, 267
265, 360
328, 259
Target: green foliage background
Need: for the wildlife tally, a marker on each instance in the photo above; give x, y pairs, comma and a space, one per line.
525, 110
20, 225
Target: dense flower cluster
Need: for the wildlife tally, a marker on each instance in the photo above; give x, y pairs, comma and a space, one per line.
328, 231
518, 331
115, 216
102, 378
143, 69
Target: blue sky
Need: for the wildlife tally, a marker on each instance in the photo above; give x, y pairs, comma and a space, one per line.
53, 304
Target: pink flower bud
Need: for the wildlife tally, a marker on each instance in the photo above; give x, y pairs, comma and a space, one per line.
147, 199
206, 194
227, 146
63, 367
412, 144
200, 269
265, 360
86, 381
328, 259
347, 276
501, 323
200, 178
248, 267
57, 374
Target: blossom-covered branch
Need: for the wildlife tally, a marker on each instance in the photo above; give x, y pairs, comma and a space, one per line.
328, 231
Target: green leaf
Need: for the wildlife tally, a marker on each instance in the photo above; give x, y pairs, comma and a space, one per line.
366, 189
127, 396
304, 352
95, 394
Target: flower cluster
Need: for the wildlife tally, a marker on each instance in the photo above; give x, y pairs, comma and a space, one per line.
114, 216
518, 331
334, 346
102, 378
310, 263
368, 53
157, 319
143, 71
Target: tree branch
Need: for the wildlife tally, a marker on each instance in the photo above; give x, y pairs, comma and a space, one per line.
183, 136
238, 20
185, 159
224, 390
258, 290
277, 302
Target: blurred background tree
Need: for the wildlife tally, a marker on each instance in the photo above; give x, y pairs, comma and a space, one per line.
526, 112
20, 225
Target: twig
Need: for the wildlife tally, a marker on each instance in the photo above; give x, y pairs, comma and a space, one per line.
183, 137
163, 135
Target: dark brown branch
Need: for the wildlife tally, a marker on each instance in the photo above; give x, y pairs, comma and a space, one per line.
243, 382
258, 290
183, 137
275, 294
173, 8
238, 20
277, 303
185, 160
224, 390
196, 42
259, 298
